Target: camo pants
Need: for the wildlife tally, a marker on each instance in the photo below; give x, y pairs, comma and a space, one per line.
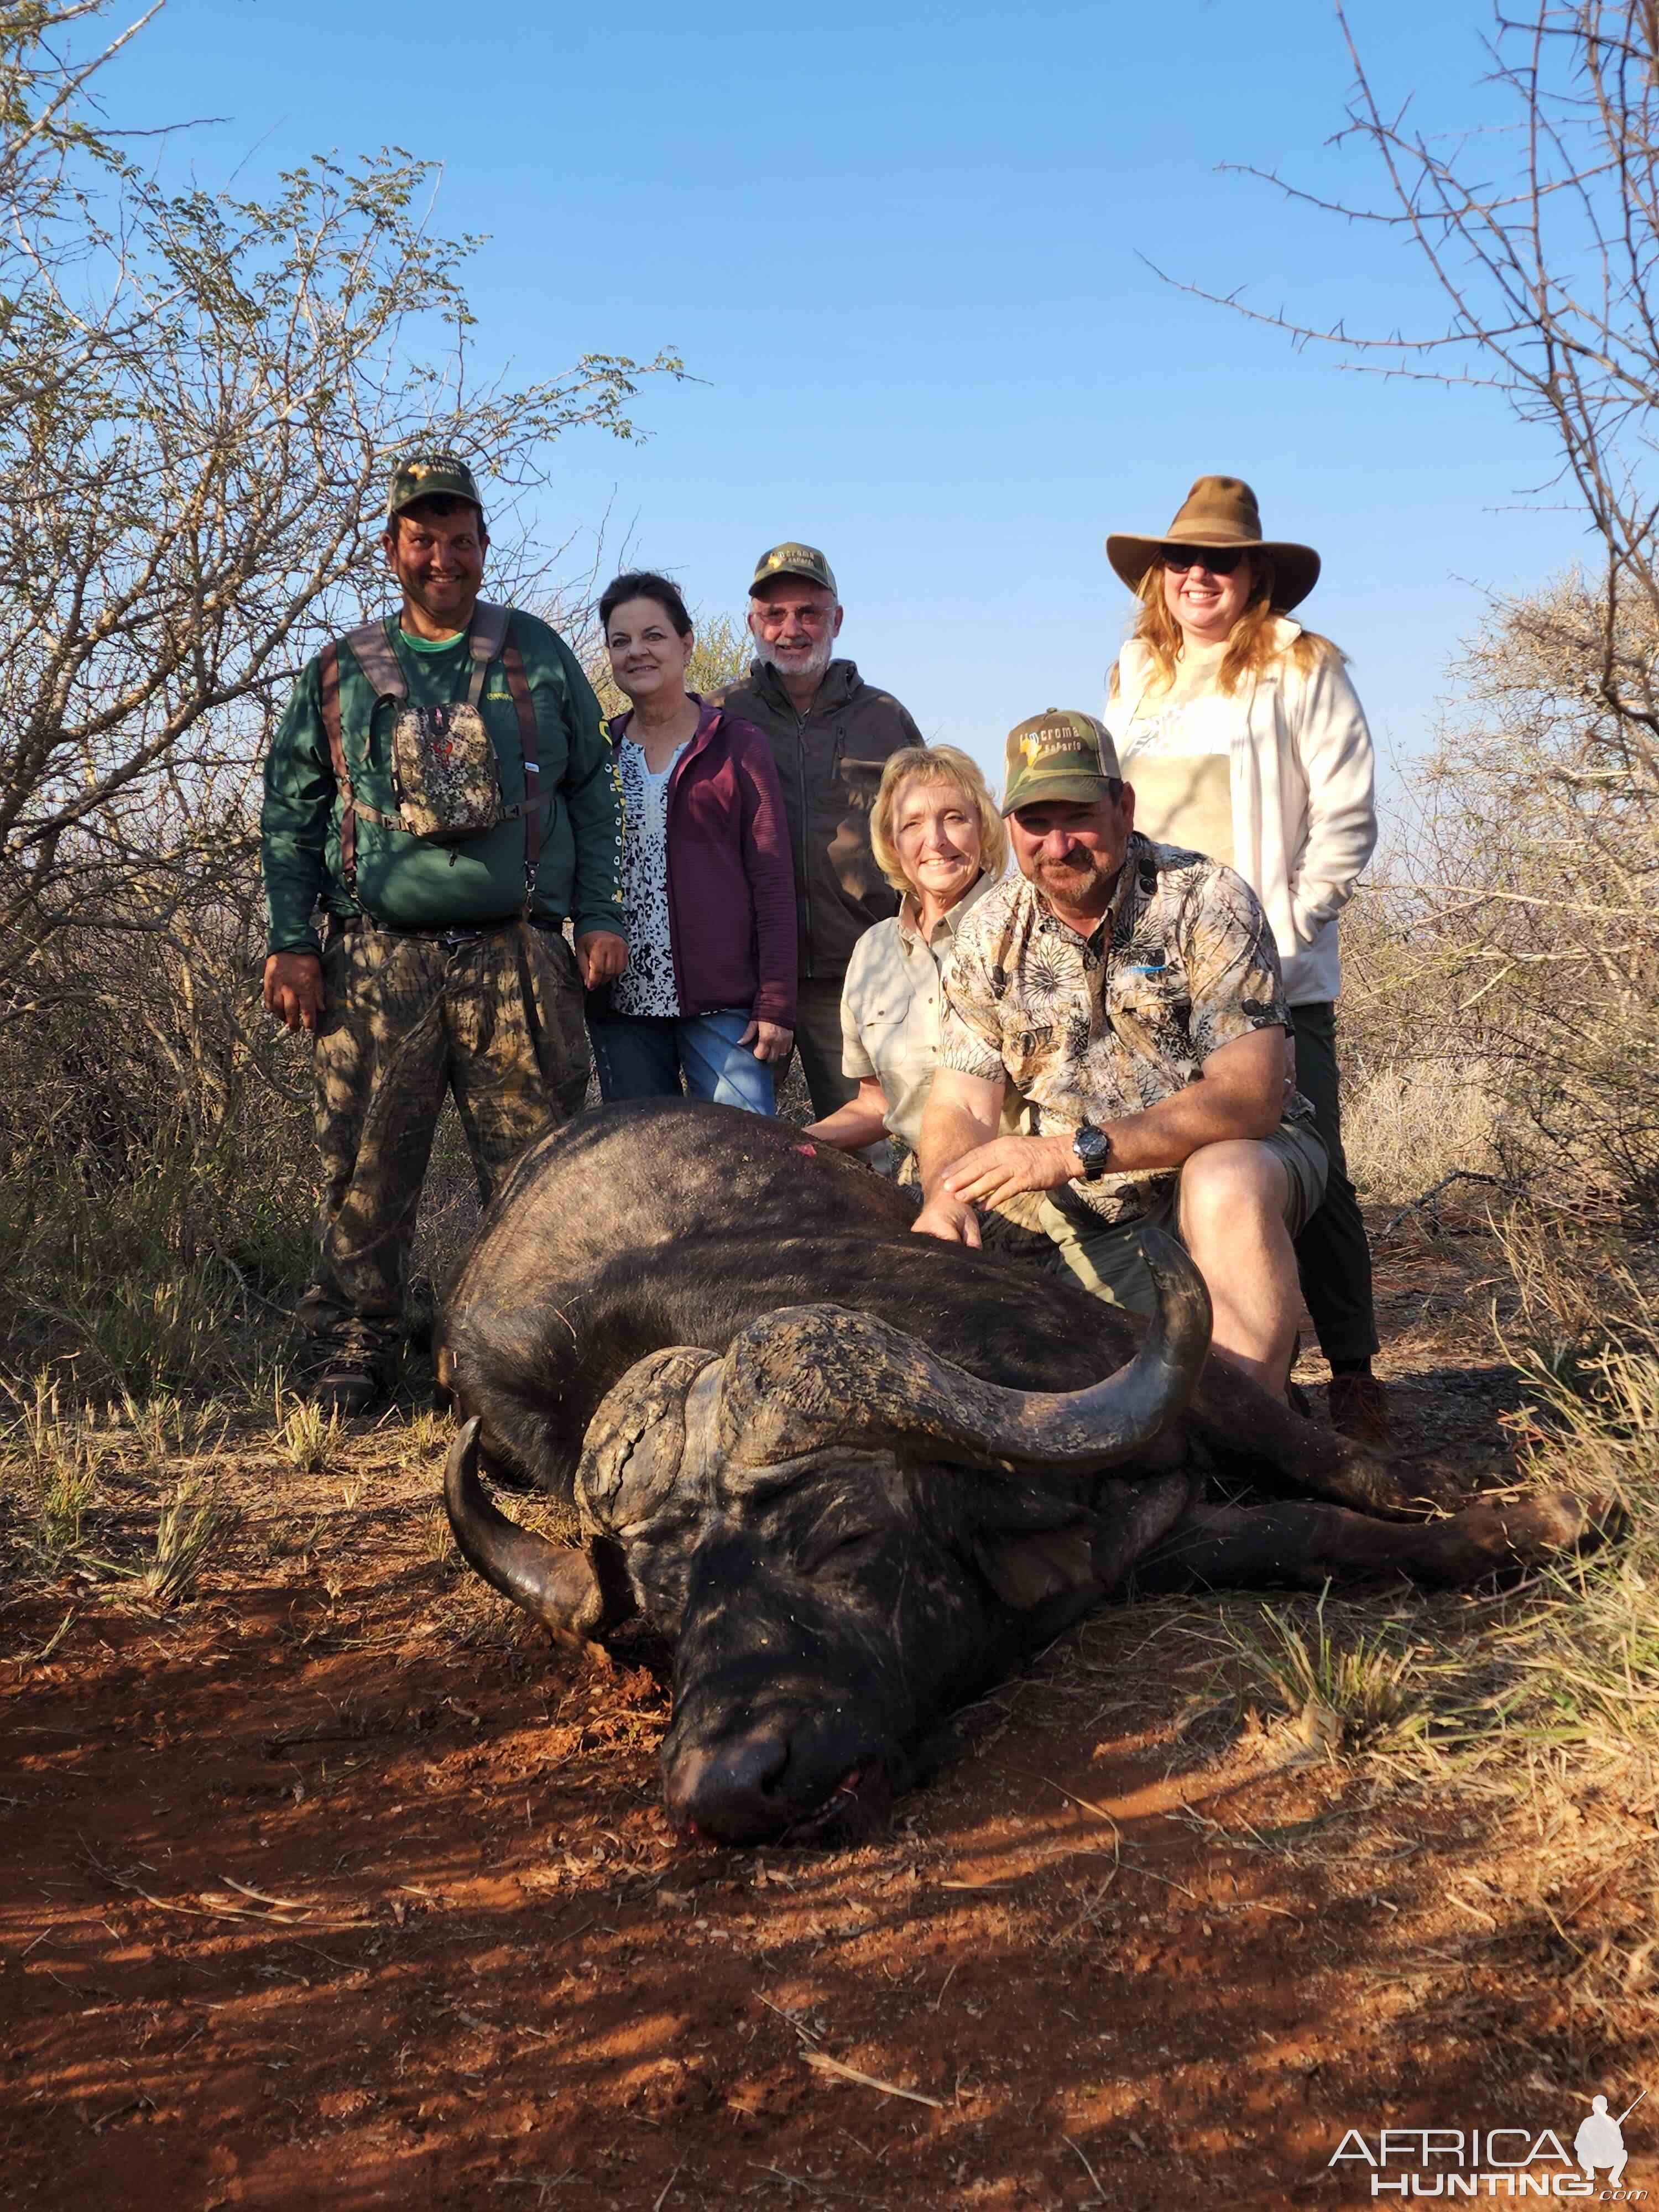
497, 1019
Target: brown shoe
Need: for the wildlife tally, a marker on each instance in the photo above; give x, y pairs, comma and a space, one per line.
1359, 1405
348, 1383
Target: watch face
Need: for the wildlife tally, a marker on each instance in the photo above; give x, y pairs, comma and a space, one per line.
1094, 1149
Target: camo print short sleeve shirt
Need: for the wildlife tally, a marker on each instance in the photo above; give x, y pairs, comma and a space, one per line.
1182, 962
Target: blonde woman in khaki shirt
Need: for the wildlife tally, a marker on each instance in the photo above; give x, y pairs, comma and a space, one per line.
938, 839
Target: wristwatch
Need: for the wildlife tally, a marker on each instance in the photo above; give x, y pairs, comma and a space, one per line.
1094, 1148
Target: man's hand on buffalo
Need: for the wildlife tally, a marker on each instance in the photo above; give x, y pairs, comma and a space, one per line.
601, 955
294, 989
1008, 1165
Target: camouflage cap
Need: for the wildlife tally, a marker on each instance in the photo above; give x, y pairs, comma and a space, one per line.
430, 472
1059, 754
796, 560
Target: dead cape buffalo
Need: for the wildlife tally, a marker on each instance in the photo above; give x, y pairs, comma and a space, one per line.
855, 1473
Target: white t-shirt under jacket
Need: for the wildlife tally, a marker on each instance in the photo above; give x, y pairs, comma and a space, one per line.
1277, 780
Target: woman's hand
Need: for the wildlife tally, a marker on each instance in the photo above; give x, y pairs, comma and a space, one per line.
950, 1220
1009, 1165
767, 1040
862, 1121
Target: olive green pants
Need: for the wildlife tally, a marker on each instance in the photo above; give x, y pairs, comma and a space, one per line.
818, 1046
495, 1020
1106, 1257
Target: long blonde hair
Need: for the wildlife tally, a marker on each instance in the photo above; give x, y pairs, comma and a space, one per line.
935, 764
1250, 646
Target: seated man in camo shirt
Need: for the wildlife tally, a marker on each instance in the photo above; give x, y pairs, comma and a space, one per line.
1131, 993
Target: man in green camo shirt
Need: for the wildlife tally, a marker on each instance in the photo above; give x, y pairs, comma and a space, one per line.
422, 966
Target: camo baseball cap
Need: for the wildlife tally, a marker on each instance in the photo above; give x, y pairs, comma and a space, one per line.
1059, 754
430, 472
796, 560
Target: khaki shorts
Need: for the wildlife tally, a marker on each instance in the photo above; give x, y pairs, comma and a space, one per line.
1106, 1256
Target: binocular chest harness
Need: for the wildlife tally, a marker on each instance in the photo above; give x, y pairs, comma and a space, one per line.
442, 765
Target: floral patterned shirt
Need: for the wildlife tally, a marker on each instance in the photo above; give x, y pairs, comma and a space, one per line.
1183, 962
646, 985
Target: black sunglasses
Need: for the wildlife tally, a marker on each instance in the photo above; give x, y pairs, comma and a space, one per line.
1220, 561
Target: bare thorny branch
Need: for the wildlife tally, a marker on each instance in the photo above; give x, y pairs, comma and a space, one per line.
1522, 922
1547, 269
199, 395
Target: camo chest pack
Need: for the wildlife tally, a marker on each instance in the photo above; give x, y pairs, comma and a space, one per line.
442, 764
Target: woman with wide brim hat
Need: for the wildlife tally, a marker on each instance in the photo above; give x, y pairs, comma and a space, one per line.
1245, 740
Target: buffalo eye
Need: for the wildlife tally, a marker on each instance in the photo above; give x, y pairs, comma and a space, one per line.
840, 1553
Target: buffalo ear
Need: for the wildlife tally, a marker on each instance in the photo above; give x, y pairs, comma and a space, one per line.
1027, 1571
1030, 1543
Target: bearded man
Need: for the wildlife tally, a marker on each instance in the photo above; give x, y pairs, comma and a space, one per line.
830, 734
1131, 993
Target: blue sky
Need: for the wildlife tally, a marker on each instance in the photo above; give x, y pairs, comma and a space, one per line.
901, 247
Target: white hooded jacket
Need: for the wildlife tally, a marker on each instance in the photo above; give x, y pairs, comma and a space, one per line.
1301, 777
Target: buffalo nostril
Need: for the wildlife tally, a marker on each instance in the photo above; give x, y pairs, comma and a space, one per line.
730, 1792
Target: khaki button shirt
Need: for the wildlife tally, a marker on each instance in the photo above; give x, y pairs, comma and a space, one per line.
892, 1005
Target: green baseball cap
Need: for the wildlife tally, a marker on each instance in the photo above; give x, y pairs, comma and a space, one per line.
796, 560
1059, 754
430, 473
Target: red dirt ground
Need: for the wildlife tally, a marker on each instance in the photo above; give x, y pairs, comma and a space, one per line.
334, 1889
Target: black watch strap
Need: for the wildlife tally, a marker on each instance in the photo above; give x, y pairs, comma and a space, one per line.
1094, 1148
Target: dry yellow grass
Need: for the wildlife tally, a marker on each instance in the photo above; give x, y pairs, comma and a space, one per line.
1407, 1125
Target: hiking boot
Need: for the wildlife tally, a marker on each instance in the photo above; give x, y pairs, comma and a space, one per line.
347, 1383
1359, 1409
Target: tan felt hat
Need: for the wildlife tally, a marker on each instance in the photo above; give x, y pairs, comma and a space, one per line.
1219, 511
1061, 754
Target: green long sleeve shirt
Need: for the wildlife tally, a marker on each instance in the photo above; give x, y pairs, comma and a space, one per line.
411, 882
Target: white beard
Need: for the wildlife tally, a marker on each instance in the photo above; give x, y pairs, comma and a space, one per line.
814, 664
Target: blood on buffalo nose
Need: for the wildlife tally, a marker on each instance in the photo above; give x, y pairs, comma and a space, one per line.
729, 1793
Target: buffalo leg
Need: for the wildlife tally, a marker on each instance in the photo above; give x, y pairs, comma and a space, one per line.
1229, 1546
1231, 1413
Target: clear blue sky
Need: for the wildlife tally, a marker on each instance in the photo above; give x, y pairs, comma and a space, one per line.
901, 244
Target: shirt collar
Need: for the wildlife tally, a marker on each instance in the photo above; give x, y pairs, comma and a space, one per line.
909, 913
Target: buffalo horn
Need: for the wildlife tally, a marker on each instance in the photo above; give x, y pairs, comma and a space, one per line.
815, 1375
573, 1591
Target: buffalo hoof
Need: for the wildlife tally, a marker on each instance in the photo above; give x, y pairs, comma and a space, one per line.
1530, 1532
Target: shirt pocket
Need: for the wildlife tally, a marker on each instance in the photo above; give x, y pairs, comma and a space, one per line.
1150, 1008
881, 1033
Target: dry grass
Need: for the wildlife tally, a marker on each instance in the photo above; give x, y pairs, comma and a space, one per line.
1408, 1125
1345, 1689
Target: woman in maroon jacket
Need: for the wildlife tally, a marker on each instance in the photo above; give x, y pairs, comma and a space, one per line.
709, 993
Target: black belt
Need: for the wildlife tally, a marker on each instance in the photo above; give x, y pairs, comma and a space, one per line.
466, 933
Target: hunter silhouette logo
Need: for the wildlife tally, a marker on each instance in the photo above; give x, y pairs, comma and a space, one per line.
1601, 2142
1500, 2161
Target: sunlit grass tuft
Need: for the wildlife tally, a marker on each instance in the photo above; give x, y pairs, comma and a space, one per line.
1345, 1692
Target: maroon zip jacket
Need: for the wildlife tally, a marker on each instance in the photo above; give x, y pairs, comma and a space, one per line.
730, 882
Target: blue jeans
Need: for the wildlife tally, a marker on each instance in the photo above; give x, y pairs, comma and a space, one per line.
644, 1056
